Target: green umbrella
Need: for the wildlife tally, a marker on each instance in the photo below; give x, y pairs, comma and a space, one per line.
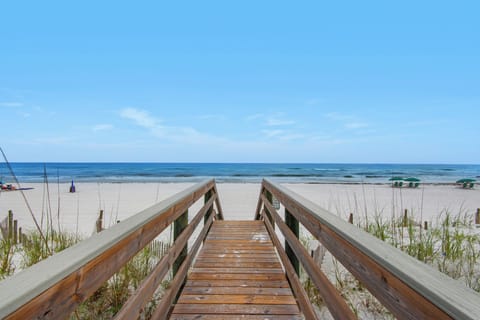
395, 178
466, 180
412, 179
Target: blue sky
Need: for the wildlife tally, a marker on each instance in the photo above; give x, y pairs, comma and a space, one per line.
240, 81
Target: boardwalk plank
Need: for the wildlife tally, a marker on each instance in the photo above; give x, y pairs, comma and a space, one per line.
236, 299
237, 275
235, 317
288, 309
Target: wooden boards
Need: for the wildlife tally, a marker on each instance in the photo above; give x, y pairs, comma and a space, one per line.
237, 275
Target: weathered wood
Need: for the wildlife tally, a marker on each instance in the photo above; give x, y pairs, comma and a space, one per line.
300, 294
247, 255
258, 210
334, 301
477, 216
207, 197
10, 225
407, 287
425, 225
134, 305
236, 269
257, 258
55, 286
239, 309
236, 276
236, 317
191, 290
240, 264
238, 283
15, 231
162, 310
218, 204
236, 298
231, 285
293, 225
269, 199
99, 223
350, 218
178, 226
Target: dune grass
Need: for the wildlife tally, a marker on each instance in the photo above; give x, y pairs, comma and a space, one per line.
451, 245
111, 296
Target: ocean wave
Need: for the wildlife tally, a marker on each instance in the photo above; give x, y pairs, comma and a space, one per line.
280, 175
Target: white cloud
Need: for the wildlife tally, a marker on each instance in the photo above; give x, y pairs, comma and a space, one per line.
178, 134
313, 102
52, 140
273, 133
348, 121
338, 116
292, 136
282, 135
254, 116
140, 117
11, 104
215, 117
273, 121
355, 125
102, 127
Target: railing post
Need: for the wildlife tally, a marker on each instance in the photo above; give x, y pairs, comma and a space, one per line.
15, 231
269, 197
178, 226
10, 225
208, 196
293, 225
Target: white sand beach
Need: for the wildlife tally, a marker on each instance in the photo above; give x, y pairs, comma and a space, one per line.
239, 200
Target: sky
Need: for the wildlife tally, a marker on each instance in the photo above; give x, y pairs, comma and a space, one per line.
240, 81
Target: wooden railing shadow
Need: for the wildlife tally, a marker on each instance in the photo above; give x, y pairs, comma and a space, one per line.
53, 288
408, 288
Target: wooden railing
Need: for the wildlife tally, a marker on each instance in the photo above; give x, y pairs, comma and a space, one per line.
405, 286
53, 288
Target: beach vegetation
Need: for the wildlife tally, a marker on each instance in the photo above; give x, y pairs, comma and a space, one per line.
111, 296
7, 251
451, 245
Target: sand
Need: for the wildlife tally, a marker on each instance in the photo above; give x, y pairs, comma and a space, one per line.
239, 200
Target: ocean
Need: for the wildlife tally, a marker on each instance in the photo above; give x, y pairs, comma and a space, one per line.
236, 172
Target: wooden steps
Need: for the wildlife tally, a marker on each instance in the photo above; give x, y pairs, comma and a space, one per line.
237, 275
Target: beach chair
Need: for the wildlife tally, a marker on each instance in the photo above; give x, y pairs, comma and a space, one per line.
400, 184
465, 185
471, 185
395, 184
410, 185
416, 185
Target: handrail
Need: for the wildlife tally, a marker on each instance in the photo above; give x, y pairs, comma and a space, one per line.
404, 285
54, 287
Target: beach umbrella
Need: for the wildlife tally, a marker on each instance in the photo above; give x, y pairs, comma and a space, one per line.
395, 178
412, 179
466, 180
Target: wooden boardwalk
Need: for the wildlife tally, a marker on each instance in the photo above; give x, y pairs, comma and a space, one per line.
237, 275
